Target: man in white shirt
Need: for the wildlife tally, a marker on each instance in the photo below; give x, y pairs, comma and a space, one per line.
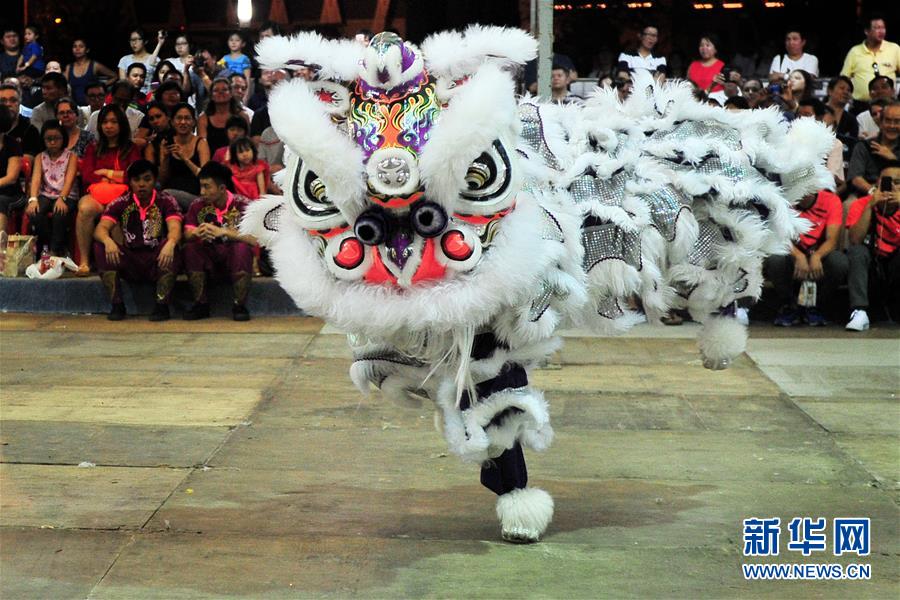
643, 58
868, 120
793, 58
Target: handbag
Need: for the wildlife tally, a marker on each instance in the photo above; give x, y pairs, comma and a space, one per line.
19, 254
105, 192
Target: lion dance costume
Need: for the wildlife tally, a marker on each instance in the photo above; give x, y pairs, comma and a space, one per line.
450, 228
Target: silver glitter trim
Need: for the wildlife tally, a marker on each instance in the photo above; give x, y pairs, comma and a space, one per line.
708, 237
583, 189
612, 191
608, 307
551, 229
716, 166
541, 302
691, 130
792, 178
391, 357
665, 206
608, 242
273, 218
533, 134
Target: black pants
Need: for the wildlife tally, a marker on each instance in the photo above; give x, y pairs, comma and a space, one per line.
780, 271
51, 228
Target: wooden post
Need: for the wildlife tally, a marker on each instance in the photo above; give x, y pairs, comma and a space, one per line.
278, 12
379, 21
542, 29
331, 13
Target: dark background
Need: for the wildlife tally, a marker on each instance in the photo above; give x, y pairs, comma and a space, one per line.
832, 26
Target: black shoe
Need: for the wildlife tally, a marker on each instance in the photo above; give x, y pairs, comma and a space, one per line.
239, 312
160, 312
117, 312
196, 312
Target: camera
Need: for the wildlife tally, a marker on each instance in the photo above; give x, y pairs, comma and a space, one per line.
775, 89
887, 184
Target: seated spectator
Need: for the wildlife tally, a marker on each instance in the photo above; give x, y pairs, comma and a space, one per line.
11, 197
163, 71
702, 73
835, 161
840, 92
53, 87
215, 247
239, 87
250, 173
731, 80
122, 95
271, 150
267, 80
207, 70
222, 105
869, 120
136, 74
643, 58
77, 139
814, 257
874, 253
794, 58
737, 103
53, 66
180, 160
137, 240
32, 60
159, 132
53, 190
139, 54
84, 71
874, 56
235, 128
103, 175
22, 131
168, 96
621, 81
95, 93
9, 59
869, 158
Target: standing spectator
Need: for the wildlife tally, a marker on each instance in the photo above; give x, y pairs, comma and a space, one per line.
9, 60
794, 58
180, 160
222, 105
139, 54
206, 68
874, 56
250, 173
160, 131
814, 257
267, 80
53, 189
83, 71
874, 253
102, 167
271, 150
870, 157
147, 249
643, 57
53, 87
868, 121
706, 72
11, 197
122, 95
22, 131
840, 92
236, 61
32, 59
235, 128
214, 245
77, 139
239, 87
183, 61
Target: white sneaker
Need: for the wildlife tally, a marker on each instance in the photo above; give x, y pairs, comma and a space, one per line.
859, 320
742, 316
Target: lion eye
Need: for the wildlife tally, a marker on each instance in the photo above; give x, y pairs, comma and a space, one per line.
488, 176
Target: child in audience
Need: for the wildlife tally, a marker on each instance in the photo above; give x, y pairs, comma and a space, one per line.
32, 59
53, 189
235, 128
236, 61
250, 174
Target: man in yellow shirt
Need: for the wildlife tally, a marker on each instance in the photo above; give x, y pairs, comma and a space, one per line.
874, 56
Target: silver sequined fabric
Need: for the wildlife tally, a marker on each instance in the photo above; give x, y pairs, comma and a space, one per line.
716, 166
533, 134
699, 129
272, 218
792, 178
665, 206
611, 191
608, 307
541, 302
708, 237
551, 229
605, 242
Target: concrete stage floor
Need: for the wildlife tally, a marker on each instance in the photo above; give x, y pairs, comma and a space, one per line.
236, 460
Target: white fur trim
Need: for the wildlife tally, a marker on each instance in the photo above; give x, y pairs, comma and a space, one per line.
454, 54
331, 59
524, 514
721, 340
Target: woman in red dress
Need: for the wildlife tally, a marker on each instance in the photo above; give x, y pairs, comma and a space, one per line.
706, 72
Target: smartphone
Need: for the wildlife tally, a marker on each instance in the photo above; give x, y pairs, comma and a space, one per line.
887, 184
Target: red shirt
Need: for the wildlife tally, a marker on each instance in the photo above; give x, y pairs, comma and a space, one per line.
703, 76
825, 211
885, 229
108, 160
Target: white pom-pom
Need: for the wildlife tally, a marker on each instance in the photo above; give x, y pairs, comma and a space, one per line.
524, 514
721, 340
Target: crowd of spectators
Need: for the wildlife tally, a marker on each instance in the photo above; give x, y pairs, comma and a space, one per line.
74, 129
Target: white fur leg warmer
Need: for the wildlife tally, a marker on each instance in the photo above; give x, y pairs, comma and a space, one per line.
524, 514
722, 339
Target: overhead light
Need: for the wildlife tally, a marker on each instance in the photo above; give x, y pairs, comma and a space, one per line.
732, 5
245, 11
774, 4
702, 6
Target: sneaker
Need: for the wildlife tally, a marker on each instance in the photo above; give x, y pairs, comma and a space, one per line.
117, 312
787, 317
196, 312
239, 312
814, 318
859, 320
160, 312
742, 316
